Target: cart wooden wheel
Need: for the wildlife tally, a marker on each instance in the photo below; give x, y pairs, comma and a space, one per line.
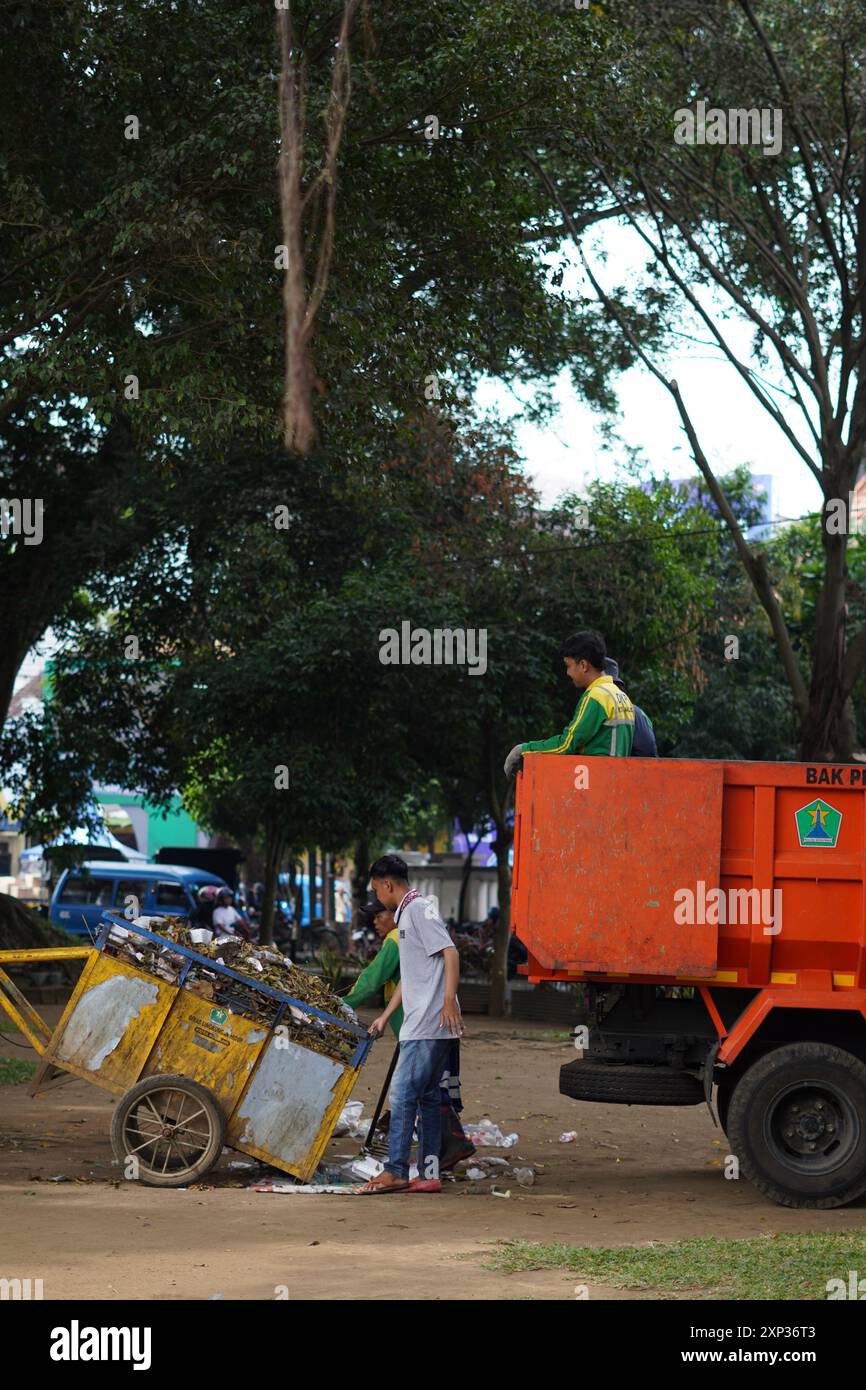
167, 1131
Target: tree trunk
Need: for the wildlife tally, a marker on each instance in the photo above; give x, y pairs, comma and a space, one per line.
464, 881
12, 654
828, 732
296, 892
360, 874
274, 843
499, 973
312, 875
299, 898
498, 806
327, 887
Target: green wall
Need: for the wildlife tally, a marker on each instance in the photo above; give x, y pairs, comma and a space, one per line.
175, 828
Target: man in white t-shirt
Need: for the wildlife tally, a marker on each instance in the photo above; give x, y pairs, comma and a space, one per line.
429, 975
225, 916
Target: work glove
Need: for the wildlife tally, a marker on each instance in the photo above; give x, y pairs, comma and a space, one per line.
513, 761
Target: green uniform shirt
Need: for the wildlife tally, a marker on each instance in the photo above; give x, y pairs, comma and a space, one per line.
603, 724
383, 972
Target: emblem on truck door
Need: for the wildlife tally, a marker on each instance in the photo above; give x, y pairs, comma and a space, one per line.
818, 824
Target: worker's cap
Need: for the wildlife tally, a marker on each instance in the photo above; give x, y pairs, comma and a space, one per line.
611, 668
375, 907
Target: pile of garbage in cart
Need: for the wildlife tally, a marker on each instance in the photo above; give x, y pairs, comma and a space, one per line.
261, 965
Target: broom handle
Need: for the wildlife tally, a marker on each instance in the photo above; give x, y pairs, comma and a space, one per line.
381, 1101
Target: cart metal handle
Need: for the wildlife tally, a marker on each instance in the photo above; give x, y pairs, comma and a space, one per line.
13, 1002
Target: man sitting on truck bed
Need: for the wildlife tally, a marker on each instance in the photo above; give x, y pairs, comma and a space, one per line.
603, 723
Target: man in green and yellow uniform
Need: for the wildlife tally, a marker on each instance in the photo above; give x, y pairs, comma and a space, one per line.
603, 723
383, 972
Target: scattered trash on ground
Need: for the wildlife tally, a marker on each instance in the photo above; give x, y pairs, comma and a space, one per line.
568, 1137
365, 1168
488, 1135
299, 1187
482, 1168
352, 1122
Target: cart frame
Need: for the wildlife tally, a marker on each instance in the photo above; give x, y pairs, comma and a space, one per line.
164, 1035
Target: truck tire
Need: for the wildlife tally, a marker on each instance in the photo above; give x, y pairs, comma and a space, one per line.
723, 1105
797, 1124
619, 1083
173, 1128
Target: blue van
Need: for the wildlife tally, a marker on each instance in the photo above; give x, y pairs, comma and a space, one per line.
84, 893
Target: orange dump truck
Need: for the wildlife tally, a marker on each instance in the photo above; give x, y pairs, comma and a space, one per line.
716, 912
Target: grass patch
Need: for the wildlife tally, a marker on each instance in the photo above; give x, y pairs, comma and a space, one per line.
780, 1267
554, 1035
14, 1070
7, 1026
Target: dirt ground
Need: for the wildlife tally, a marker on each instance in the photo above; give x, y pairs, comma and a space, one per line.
633, 1175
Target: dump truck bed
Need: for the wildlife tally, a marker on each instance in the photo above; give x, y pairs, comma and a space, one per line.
679, 871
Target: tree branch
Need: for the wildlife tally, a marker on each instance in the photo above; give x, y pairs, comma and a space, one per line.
755, 565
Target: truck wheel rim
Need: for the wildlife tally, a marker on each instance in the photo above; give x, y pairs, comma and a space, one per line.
168, 1132
812, 1126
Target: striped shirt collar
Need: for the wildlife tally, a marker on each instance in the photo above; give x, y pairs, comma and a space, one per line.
407, 898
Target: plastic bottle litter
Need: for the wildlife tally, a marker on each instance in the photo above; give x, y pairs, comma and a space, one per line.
488, 1135
476, 1174
525, 1177
331, 1175
568, 1137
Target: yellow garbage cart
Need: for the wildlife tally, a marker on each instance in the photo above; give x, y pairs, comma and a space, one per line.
200, 1056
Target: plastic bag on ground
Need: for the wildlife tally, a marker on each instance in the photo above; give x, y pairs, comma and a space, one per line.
350, 1118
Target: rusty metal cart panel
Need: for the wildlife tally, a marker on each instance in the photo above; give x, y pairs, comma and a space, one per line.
108, 1028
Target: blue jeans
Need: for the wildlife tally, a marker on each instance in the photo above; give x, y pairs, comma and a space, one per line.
415, 1092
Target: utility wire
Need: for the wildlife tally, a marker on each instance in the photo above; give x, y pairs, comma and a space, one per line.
719, 529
